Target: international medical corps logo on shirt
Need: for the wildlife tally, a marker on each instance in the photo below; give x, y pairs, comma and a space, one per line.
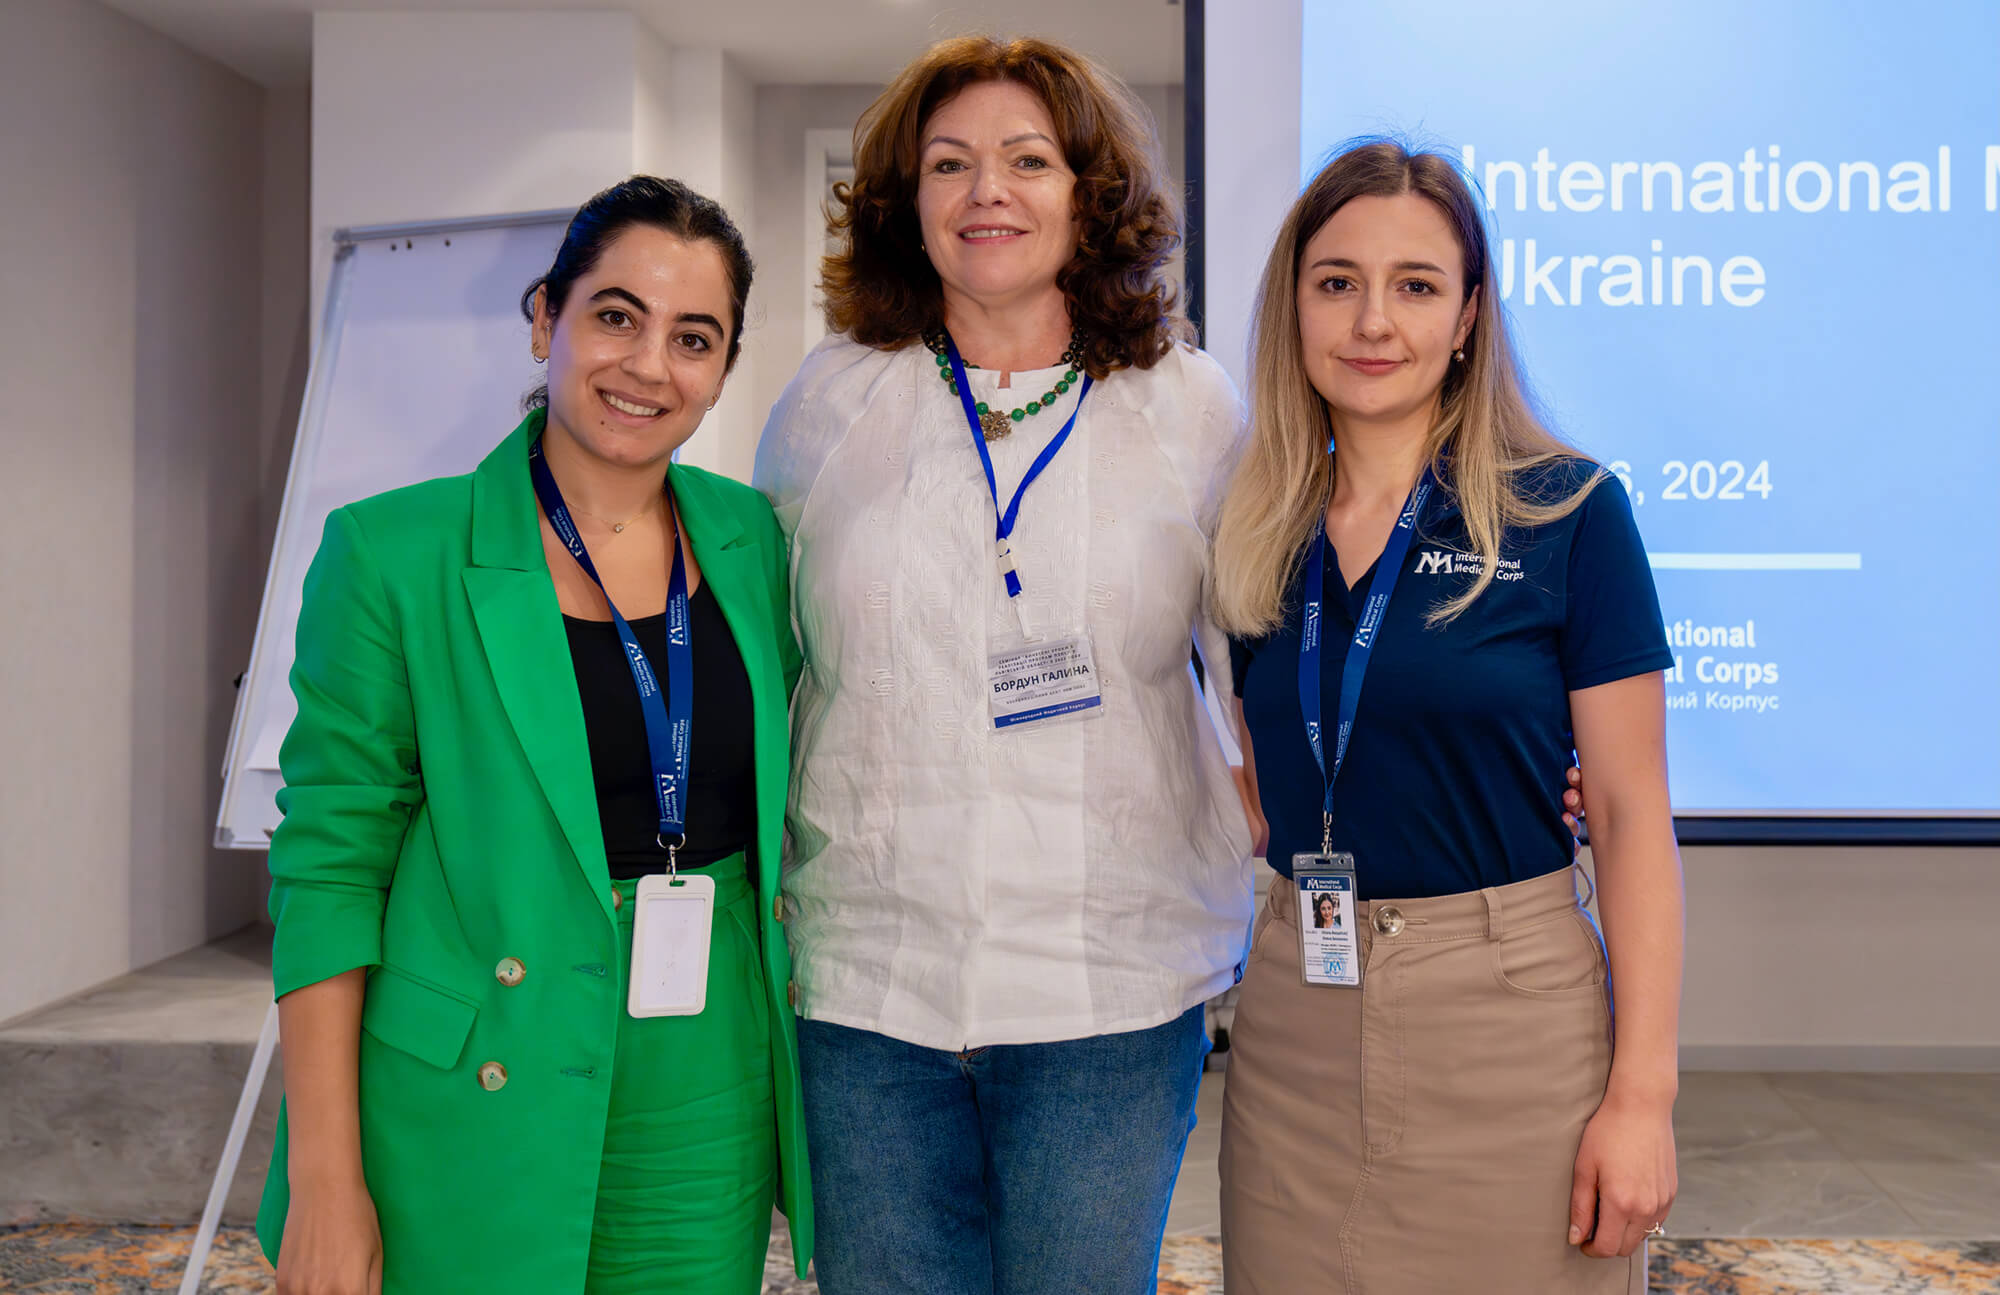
1448, 562
1435, 562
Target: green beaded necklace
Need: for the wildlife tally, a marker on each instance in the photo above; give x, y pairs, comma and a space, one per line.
992, 423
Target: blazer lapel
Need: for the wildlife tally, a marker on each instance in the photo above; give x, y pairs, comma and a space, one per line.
732, 564
521, 628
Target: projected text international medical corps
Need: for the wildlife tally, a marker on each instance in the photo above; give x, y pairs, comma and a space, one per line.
1532, 273
1728, 669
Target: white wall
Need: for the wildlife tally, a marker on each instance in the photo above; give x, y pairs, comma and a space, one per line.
784, 113
1842, 958
714, 138
131, 357
429, 116
1252, 167
285, 310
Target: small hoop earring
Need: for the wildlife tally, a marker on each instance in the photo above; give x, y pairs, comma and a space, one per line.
541, 359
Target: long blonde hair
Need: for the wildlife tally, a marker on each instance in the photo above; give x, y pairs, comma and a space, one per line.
1485, 438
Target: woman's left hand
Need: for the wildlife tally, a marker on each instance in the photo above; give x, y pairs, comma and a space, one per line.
1625, 1180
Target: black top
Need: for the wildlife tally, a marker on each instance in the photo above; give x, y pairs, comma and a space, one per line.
722, 787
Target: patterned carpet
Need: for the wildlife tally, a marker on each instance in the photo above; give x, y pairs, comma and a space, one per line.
64, 1259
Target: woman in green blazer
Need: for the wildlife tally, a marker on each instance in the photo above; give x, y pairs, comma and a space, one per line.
474, 797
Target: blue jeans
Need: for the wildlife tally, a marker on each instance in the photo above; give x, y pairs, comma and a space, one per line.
1024, 1169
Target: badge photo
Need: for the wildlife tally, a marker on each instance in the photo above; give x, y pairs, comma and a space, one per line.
1329, 953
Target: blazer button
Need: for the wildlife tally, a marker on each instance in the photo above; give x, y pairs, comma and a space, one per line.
778, 909
510, 972
792, 992
617, 898
493, 1076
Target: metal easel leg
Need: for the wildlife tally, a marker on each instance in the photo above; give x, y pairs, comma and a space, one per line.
232, 1152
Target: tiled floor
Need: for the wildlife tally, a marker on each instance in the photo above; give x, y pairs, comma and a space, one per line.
1888, 1185
1779, 1155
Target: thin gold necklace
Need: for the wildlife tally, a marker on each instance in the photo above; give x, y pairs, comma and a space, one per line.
617, 528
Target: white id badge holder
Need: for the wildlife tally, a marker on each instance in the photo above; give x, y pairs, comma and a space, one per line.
1042, 681
1329, 949
670, 932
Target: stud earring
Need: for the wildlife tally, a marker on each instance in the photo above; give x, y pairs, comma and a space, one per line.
1459, 355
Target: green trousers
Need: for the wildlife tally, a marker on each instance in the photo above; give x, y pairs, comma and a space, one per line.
690, 1171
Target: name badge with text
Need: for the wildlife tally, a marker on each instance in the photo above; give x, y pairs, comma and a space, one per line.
1329, 952
1042, 681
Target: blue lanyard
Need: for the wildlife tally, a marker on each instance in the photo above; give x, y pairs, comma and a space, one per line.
1004, 529
669, 720
1359, 648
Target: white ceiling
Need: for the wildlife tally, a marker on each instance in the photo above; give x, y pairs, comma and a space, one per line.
789, 41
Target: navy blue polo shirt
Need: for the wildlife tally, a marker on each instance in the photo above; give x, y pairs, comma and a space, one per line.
1455, 771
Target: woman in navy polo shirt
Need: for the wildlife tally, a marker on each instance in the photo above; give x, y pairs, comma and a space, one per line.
1427, 622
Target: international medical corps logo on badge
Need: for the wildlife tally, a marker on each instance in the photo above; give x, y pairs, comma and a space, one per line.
1371, 619
642, 669
1411, 505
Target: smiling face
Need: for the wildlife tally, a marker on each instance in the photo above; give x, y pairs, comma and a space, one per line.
995, 199
639, 350
1382, 305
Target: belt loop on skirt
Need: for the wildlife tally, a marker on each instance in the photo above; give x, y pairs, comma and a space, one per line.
1494, 915
1589, 892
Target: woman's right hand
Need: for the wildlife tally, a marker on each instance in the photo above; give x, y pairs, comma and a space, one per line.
332, 1244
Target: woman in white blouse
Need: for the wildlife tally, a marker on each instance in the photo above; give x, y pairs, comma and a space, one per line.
1019, 864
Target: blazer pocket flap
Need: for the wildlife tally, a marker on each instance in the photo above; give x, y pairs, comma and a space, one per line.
413, 1016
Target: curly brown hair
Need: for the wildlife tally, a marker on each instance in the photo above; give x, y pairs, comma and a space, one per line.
881, 288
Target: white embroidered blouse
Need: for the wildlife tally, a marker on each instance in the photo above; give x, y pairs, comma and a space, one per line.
953, 885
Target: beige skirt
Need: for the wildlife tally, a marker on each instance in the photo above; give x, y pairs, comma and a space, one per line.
1418, 1134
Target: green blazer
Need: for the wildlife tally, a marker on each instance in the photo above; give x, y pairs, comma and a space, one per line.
440, 816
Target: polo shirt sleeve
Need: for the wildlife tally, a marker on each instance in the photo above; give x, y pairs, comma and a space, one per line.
1612, 627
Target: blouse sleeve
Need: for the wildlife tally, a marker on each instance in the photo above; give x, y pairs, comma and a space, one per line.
806, 426
1221, 428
